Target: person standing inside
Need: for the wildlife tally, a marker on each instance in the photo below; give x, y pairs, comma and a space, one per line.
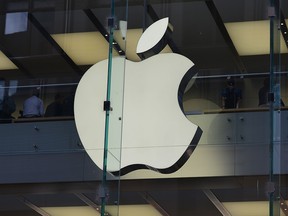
231, 96
33, 106
55, 108
7, 104
263, 93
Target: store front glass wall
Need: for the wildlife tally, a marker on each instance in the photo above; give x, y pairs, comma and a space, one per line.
236, 160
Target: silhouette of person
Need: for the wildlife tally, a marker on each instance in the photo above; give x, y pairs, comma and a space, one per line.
68, 103
263, 93
55, 108
33, 106
7, 104
231, 96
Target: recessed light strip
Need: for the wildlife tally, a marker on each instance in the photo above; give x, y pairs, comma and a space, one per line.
283, 206
284, 29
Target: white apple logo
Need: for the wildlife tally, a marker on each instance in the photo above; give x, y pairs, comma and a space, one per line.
155, 133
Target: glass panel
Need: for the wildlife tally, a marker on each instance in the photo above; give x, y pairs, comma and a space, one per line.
115, 117
275, 108
274, 87
233, 162
282, 152
114, 111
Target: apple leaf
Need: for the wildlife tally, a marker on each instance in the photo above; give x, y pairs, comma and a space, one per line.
152, 35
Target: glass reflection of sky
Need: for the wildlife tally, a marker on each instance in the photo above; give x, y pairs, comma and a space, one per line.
16, 22
11, 88
2, 89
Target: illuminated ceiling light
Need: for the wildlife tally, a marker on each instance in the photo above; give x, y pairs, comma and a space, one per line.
88, 48
252, 37
139, 210
84, 48
71, 211
5, 63
256, 208
282, 24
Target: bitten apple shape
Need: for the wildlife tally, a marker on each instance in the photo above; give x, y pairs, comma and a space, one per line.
155, 133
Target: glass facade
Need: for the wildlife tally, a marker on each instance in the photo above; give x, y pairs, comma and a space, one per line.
194, 124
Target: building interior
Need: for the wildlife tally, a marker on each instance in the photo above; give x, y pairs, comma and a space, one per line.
237, 168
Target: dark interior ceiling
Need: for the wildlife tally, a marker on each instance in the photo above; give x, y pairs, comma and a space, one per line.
199, 33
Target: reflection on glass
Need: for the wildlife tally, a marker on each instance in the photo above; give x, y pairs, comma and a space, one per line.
16, 22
